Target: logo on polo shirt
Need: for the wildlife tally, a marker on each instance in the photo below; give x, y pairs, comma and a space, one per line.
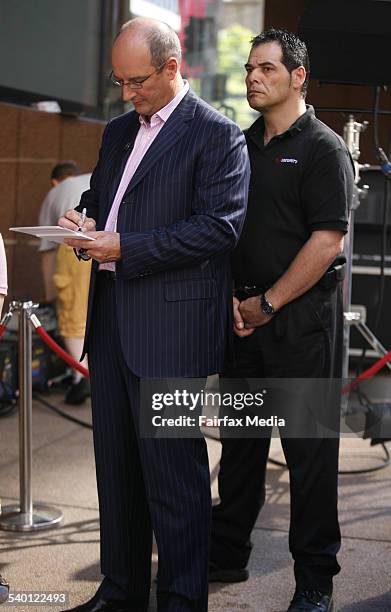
286, 160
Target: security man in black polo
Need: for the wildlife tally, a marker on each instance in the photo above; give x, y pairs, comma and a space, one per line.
288, 268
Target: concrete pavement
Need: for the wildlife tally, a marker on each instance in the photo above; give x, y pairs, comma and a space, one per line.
66, 558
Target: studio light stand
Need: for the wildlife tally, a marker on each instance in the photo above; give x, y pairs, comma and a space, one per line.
355, 315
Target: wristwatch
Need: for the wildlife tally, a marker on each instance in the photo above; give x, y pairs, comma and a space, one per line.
266, 306
82, 254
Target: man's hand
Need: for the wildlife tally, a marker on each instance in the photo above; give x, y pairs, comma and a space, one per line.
239, 328
251, 313
72, 219
104, 249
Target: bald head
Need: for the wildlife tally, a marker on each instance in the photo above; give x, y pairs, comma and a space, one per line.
156, 36
145, 61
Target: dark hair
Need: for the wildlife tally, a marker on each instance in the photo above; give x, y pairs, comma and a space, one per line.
294, 51
64, 169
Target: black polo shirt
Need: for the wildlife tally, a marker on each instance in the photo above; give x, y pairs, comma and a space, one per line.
301, 181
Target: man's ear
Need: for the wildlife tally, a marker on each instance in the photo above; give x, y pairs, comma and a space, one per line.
298, 76
172, 67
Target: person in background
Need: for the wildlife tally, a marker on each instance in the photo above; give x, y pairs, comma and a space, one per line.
62, 276
4, 586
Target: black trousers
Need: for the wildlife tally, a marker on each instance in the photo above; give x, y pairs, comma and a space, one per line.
304, 340
144, 484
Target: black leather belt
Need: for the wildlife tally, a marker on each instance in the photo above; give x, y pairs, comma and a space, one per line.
107, 274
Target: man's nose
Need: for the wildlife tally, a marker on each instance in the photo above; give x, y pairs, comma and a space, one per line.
252, 77
127, 93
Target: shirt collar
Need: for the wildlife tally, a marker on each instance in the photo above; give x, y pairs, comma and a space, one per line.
164, 113
298, 125
257, 129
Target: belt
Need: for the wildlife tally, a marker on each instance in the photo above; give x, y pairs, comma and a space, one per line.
107, 274
333, 276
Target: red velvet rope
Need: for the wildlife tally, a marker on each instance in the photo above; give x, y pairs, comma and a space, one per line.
75, 364
378, 365
60, 352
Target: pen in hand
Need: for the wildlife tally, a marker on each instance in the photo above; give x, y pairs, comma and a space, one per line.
82, 219
82, 252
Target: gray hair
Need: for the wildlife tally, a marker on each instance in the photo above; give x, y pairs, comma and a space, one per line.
161, 39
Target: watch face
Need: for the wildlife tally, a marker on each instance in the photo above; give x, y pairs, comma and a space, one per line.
267, 308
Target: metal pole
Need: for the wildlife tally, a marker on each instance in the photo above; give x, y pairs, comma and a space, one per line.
351, 136
25, 414
26, 516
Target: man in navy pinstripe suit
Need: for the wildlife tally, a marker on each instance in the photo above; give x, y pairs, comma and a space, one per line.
166, 205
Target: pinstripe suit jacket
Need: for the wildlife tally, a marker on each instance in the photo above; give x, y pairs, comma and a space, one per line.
179, 219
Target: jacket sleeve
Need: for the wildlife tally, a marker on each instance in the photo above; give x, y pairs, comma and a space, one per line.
217, 217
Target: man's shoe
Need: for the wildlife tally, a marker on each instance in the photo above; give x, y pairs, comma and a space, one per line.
78, 392
106, 605
311, 601
218, 574
4, 590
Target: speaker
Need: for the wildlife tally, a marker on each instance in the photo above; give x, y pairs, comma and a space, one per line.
348, 41
366, 285
370, 213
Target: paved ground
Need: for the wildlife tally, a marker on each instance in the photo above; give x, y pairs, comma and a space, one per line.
67, 558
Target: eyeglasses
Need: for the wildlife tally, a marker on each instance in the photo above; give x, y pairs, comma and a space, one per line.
134, 83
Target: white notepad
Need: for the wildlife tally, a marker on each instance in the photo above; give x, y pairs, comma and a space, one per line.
55, 233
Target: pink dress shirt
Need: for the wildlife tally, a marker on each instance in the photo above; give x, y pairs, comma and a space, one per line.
145, 137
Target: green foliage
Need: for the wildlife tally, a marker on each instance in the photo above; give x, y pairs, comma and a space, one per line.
233, 50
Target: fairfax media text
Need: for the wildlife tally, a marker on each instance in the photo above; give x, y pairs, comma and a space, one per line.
225, 421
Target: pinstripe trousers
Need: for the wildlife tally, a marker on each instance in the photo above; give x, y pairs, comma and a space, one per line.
144, 484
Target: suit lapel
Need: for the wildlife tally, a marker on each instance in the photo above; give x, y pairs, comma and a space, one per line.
175, 127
